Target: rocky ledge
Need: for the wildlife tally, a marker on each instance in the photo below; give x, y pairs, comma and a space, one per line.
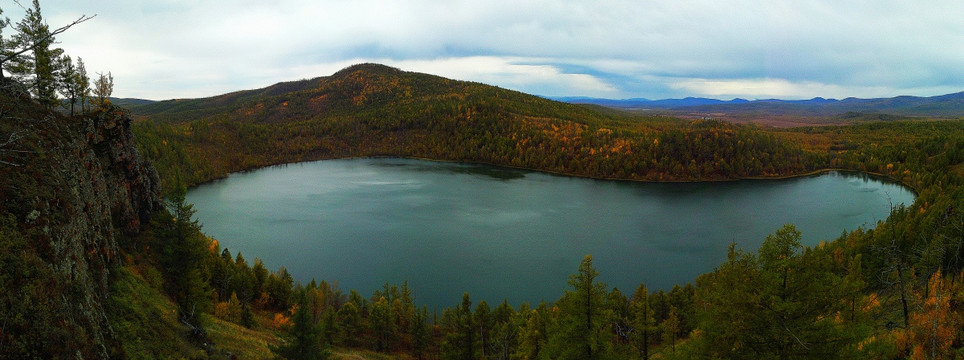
73, 191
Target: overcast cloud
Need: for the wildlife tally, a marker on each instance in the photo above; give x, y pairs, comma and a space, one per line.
161, 49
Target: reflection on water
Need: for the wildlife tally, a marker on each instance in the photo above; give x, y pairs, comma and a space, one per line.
499, 233
497, 173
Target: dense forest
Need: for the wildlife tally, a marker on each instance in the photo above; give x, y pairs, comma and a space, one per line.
374, 110
94, 264
888, 292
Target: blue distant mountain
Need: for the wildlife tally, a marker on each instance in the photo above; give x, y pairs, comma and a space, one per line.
945, 106
647, 103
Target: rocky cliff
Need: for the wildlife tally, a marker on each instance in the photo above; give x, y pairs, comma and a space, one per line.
73, 189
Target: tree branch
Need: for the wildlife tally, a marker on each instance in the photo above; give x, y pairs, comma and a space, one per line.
56, 32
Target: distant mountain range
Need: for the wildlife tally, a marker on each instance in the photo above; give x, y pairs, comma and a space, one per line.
943, 106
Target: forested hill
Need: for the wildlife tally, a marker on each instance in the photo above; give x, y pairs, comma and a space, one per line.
375, 110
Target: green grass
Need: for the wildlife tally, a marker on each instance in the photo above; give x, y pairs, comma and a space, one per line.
145, 322
237, 340
356, 354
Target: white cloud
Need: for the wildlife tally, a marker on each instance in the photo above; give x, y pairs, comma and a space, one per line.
513, 73
757, 88
618, 48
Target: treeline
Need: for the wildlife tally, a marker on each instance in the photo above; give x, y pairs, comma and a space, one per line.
892, 291
589, 321
783, 301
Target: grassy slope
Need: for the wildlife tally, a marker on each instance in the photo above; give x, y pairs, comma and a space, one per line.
145, 320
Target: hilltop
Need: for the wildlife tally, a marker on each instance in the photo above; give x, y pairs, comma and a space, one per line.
375, 110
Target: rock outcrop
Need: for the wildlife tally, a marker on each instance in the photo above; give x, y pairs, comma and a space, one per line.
73, 191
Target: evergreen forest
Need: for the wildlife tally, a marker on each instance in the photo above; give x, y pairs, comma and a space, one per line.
892, 291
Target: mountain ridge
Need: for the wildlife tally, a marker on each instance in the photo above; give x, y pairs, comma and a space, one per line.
942, 106
939, 106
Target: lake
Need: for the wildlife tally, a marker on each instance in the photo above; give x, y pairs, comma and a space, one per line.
499, 233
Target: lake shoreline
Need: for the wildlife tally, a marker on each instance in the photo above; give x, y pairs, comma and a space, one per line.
558, 173
365, 221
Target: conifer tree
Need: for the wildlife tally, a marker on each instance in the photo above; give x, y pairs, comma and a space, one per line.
782, 303
581, 329
7, 44
181, 253
37, 70
82, 85
420, 333
349, 325
642, 319
460, 342
380, 318
533, 332
670, 328
505, 331
302, 341
482, 318
67, 83
33, 34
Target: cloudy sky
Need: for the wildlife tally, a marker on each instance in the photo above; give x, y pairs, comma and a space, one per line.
162, 49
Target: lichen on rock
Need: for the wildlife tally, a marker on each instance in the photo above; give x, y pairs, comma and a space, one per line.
71, 190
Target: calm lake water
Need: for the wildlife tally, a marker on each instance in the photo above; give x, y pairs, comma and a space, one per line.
512, 234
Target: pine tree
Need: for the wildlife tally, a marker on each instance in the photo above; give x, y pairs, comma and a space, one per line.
67, 80
380, 318
505, 331
349, 325
182, 252
617, 305
247, 317
642, 319
7, 45
581, 332
302, 341
82, 85
420, 333
782, 303
670, 328
33, 34
533, 332
482, 318
460, 342
39, 69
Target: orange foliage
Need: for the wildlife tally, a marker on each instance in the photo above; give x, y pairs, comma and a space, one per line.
280, 321
935, 328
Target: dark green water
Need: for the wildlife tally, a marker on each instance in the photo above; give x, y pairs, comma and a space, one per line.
512, 234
